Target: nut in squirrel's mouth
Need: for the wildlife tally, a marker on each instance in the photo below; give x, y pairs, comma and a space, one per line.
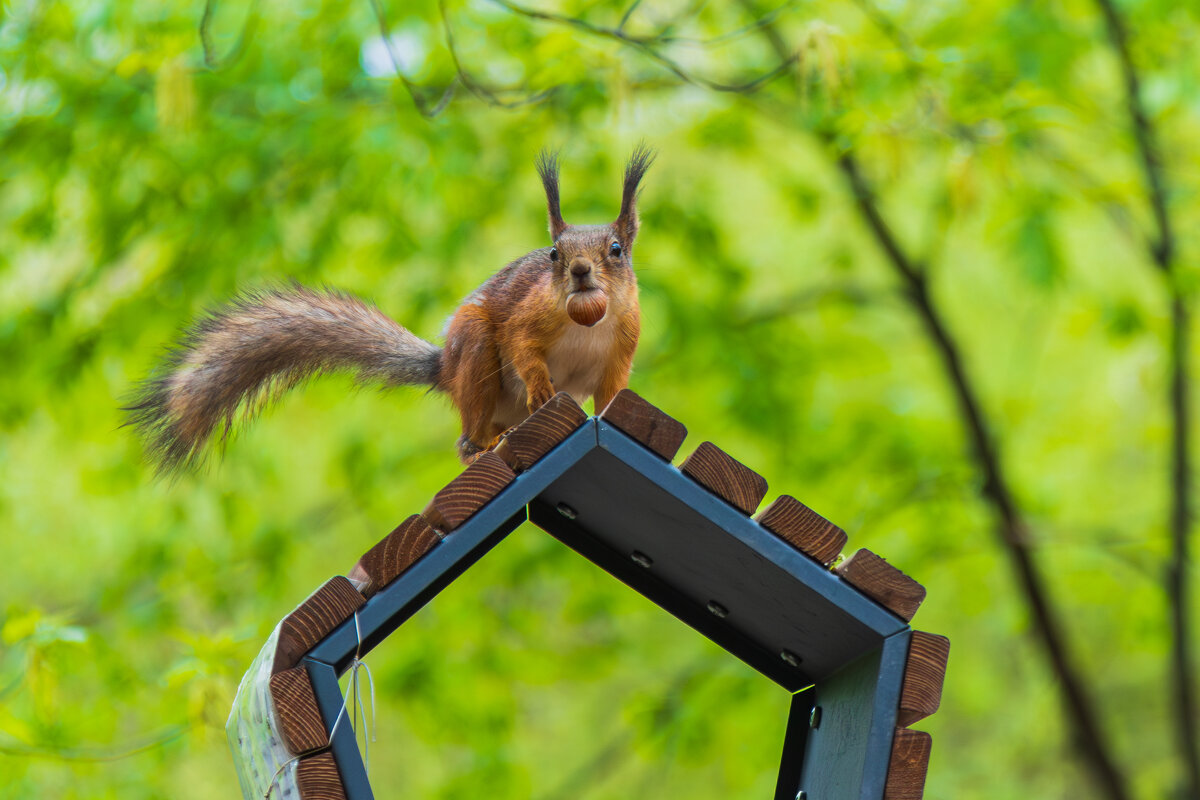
587, 306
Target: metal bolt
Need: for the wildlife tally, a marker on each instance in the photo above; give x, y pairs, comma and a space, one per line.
814, 718
717, 610
801, 795
567, 511
789, 657
641, 559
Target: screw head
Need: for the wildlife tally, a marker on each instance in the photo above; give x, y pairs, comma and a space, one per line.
641, 559
814, 718
790, 658
717, 610
566, 511
801, 795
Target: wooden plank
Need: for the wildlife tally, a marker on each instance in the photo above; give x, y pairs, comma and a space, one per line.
469, 492
538, 435
726, 477
393, 554
296, 709
323, 611
803, 528
630, 414
923, 677
318, 778
883, 583
909, 764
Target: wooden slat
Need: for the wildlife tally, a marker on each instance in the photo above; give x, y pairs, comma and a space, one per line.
803, 528
297, 711
923, 677
538, 435
395, 553
323, 611
318, 779
469, 492
630, 414
883, 583
726, 477
910, 762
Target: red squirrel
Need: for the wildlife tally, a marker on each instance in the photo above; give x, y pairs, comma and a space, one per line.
561, 318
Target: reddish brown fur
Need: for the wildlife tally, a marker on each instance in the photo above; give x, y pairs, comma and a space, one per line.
503, 344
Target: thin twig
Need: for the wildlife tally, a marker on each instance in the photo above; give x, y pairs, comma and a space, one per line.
683, 16
1162, 251
419, 101
1109, 201
628, 13
891, 30
1163, 248
767, 20
90, 754
484, 93
646, 45
211, 59
810, 298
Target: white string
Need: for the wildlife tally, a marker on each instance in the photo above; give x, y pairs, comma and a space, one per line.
354, 688
275, 778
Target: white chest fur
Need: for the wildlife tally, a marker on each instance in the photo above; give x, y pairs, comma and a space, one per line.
577, 359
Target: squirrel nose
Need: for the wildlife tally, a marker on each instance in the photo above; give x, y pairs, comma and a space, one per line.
580, 268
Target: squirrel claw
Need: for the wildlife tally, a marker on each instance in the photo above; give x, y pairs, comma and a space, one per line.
500, 438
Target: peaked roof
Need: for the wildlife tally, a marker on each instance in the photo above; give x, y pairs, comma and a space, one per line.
682, 537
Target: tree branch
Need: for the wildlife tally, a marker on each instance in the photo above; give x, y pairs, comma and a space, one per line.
1011, 527
1162, 252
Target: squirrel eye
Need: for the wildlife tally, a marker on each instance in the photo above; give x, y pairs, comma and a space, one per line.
616, 249
554, 254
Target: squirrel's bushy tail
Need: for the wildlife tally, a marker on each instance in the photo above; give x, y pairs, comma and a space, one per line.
246, 354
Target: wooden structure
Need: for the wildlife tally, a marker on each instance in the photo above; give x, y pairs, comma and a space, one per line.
682, 536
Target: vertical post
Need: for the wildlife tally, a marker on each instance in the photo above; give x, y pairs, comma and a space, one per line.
343, 743
792, 764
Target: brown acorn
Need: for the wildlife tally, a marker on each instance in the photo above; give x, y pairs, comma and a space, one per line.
587, 307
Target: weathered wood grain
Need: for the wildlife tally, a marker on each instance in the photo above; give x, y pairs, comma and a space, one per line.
538, 435
469, 492
393, 554
883, 583
910, 762
318, 778
803, 528
323, 611
726, 477
924, 675
297, 711
630, 414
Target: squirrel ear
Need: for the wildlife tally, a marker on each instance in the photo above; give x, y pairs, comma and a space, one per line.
547, 167
639, 162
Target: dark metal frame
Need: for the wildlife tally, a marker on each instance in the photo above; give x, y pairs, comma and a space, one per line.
606, 496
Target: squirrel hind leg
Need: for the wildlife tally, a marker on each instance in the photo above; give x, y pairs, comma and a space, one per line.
468, 451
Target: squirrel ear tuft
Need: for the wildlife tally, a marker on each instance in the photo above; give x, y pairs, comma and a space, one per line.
639, 161
547, 167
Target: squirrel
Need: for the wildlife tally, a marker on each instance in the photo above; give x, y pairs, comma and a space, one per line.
561, 318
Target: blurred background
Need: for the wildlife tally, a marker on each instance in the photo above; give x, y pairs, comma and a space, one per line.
925, 266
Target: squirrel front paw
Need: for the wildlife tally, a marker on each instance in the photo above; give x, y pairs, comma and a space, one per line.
537, 399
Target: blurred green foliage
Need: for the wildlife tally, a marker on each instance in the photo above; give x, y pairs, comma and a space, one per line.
141, 183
